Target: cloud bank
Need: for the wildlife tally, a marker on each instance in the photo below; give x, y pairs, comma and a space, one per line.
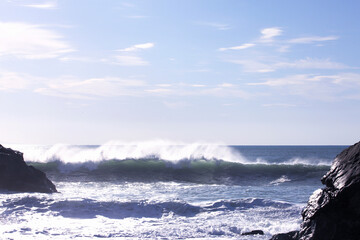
28, 41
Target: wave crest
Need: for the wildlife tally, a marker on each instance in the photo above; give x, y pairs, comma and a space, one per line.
116, 150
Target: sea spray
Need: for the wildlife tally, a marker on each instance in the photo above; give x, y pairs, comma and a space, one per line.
159, 149
169, 161
199, 192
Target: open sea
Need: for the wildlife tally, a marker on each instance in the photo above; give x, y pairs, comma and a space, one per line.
165, 190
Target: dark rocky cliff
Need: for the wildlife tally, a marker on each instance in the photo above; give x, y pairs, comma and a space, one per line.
15, 175
333, 213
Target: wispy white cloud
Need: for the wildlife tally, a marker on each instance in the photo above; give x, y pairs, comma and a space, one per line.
299, 79
243, 46
200, 70
313, 39
310, 63
78, 59
44, 5
283, 48
349, 78
89, 88
159, 90
278, 105
137, 47
225, 92
272, 64
226, 85
176, 104
114, 87
321, 87
129, 56
136, 17
11, 81
71, 87
164, 85
39, 4
65, 26
127, 60
218, 26
101, 87
268, 34
228, 104
250, 65
29, 41
268, 59
126, 57
128, 5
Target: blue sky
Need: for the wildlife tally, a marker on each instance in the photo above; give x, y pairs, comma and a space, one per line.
234, 72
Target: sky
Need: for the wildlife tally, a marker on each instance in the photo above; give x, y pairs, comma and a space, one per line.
247, 72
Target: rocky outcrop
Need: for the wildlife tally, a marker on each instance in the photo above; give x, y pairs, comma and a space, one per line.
15, 175
333, 213
286, 236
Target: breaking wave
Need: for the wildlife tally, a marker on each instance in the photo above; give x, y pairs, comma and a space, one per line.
166, 161
170, 151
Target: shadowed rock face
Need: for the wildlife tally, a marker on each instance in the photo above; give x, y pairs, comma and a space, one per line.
15, 175
333, 213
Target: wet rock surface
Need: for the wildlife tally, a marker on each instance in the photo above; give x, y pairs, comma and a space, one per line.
286, 236
254, 232
333, 213
16, 175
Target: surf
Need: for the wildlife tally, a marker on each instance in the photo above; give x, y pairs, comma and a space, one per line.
162, 160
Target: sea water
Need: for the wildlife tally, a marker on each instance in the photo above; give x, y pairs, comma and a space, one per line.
165, 190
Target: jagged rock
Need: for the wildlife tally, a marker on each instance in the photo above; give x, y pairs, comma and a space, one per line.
15, 175
286, 236
333, 213
254, 232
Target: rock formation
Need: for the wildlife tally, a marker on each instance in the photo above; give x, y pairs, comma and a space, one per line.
15, 175
333, 213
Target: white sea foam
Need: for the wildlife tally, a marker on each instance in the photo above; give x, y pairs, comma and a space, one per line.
282, 179
90, 210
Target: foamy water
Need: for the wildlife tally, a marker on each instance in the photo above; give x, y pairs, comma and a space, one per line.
134, 210
165, 190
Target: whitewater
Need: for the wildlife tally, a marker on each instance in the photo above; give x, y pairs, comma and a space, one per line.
165, 190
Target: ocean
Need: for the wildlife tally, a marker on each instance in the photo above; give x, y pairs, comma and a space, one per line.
165, 190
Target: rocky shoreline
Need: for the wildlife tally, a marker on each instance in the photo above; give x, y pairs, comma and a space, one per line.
333, 213
16, 175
